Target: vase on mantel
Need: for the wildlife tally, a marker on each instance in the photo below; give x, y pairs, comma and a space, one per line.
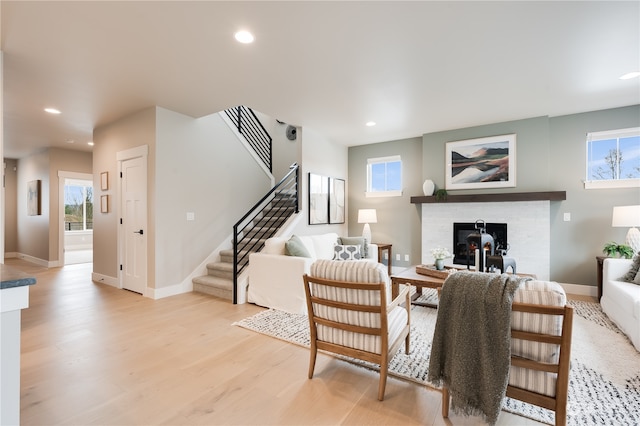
428, 187
439, 264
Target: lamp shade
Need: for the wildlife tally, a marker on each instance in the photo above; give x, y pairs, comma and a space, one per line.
367, 216
626, 216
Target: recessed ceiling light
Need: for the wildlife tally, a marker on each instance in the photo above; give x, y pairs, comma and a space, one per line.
244, 37
371, 123
70, 141
90, 143
52, 111
630, 75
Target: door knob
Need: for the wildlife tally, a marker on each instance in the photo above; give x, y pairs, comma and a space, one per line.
139, 232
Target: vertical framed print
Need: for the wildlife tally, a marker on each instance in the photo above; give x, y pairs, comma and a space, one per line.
336, 200
318, 199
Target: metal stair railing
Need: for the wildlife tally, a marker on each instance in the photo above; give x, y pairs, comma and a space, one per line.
254, 132
249, 233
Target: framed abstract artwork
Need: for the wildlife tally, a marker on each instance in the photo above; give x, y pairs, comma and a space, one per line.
318, 199
33, 198
481, 163
336, 200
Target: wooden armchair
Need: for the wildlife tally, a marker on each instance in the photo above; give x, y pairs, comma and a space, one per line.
541, 326
349, 313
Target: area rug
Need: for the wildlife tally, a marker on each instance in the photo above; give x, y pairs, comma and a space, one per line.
604, 382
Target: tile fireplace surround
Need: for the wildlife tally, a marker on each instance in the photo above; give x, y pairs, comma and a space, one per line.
528, 223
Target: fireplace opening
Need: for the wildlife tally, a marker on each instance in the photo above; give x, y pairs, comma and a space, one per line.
462, 230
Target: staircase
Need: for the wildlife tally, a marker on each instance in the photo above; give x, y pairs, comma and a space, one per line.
219, 281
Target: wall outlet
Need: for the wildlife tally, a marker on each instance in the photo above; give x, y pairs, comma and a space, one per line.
406, 257
397, 257
386, 255
567, 217
191, 216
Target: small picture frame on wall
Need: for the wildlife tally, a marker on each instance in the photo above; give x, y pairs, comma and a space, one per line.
336, 200
33, 198
104, 181
104, 204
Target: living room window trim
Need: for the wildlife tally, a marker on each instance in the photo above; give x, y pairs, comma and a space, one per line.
615, 182
370, 193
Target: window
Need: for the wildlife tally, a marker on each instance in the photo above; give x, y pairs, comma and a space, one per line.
78, 205
613, 159
384, 177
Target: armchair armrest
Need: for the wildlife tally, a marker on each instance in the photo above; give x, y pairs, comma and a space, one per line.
614, 269
405, 294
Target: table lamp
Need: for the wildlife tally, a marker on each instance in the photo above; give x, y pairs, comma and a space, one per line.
367, 216
628, 216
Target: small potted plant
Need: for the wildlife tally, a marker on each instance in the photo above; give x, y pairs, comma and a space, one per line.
440, 254
612, 249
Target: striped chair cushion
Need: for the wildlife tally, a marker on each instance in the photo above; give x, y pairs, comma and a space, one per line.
538, 293
545, 293
354, 271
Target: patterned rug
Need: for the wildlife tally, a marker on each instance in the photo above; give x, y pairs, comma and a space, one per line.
604, 382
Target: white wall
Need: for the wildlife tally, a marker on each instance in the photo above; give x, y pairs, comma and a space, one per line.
324, 157
203, 169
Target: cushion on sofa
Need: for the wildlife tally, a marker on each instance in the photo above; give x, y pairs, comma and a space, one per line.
323, 245
346, 252
274, 245
361, 241
631, 274
295, 247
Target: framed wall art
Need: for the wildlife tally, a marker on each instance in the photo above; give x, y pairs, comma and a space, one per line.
481, 163
104, 204
318, 199
104, 181
34, 189
336, 200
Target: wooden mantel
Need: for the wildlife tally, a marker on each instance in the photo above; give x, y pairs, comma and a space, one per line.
492, 198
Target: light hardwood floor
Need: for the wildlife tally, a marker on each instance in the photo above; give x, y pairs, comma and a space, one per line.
93, 354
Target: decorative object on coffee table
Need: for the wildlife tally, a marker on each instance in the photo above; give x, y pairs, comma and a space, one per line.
432, 271
439, 255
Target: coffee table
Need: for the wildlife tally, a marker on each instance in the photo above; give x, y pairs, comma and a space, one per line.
411, 277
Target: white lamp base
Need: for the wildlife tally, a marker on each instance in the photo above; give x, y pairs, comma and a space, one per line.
366, 233
633, 239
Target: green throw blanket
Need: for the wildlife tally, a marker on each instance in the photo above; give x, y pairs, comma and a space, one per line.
472, 341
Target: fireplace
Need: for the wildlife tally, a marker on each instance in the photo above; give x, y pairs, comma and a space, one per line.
461, 230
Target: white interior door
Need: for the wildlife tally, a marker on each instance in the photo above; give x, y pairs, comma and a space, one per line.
134, 224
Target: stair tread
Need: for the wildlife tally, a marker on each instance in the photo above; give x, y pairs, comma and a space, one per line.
217, 282
220, 266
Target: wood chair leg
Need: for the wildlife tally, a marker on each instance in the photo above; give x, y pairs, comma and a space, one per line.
406, 343
383, 380
445, 402
312, 359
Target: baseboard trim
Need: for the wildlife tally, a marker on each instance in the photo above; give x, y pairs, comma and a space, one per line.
580, 289
35, 260
105, 279
172, 290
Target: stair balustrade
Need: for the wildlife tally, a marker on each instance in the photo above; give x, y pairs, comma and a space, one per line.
254, 132
262, 221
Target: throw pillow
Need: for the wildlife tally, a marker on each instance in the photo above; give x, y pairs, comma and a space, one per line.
635, 266
346, 252
295, 247
636, 280
361, 241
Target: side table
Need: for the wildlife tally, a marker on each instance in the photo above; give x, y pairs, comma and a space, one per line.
600, 262
381, 248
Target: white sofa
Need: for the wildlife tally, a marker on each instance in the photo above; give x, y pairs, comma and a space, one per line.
620, 299
275, 279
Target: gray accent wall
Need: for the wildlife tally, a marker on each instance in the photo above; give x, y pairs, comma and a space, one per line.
550, 157
398, 219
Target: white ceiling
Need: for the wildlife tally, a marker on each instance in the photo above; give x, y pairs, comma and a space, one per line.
412, 67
